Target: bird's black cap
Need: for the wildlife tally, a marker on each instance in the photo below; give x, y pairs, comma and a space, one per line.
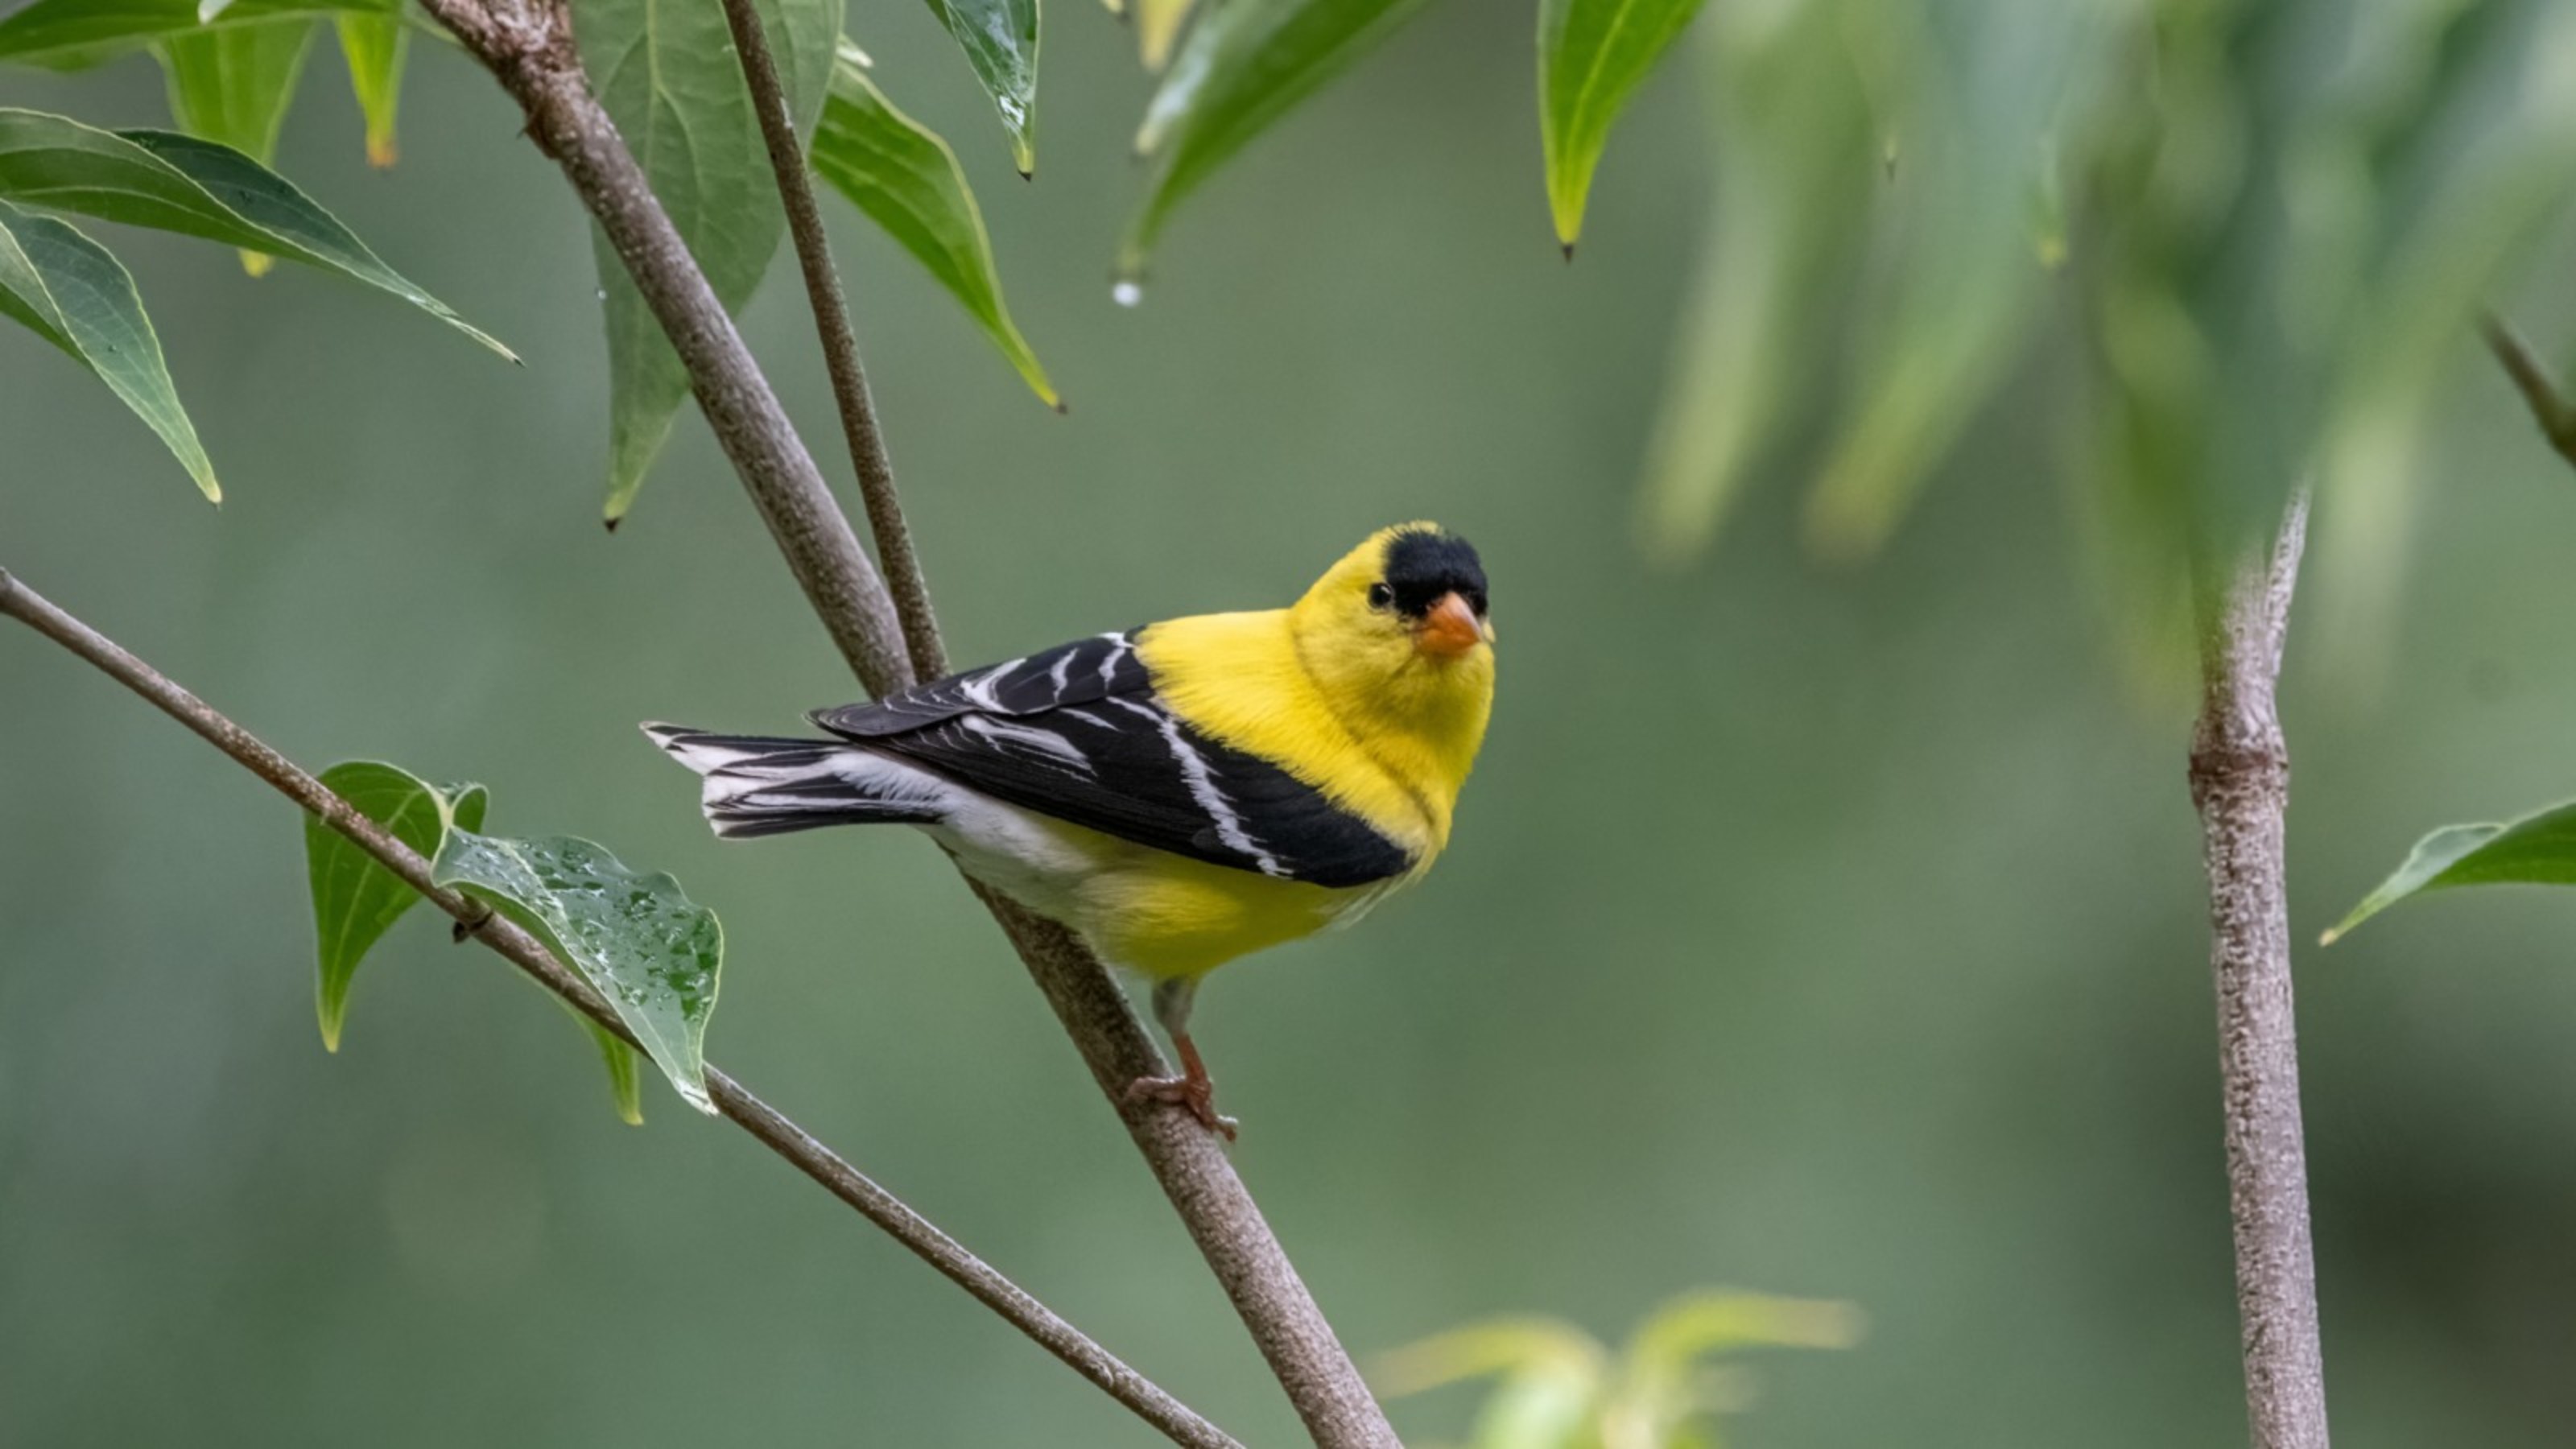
1423, 563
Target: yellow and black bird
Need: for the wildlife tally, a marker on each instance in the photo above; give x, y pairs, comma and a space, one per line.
1180, 794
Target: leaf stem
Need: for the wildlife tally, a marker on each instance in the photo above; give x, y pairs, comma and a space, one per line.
823, 293
801, 1149
528, 47
2551, 411
2240, 784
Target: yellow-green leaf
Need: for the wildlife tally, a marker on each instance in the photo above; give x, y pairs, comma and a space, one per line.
375, 47
1158, 25
233, 85
1591, 56
1243, 65
906, 180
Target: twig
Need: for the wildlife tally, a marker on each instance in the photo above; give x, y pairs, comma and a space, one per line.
840, 346
2240, 783
782, 1136
2556, 418
528, 46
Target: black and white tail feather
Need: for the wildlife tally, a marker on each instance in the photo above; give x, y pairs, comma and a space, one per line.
1075, 733
755, 785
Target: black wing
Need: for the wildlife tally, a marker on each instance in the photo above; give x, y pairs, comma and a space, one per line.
1077, 732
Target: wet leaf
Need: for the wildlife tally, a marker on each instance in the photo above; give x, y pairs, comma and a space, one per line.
74, 34
1592, 54
356, 900
72, 292
2534, 850
233, 85
669, 78
654, 954
177, 183
904, 177
375, 47
1243, 65
1000, 38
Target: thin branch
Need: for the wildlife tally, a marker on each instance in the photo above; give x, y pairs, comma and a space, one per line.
840, 346
2557, 419
528, 46
782, 1136
2240, 783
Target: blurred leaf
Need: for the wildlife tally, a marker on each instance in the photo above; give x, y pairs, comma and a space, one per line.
1000, 38
1794, 166
654, 954
2534, 850
669, 78
356, 900
74, 34
1552, 1379
1591, 56
70, 291
1988, 90
233, 85
1661, 1388
2498, 169
375, 48
1158, 25
177, 183
1244, 64
904, 177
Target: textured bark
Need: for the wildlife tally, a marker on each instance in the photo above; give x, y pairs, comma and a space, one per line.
528, 47
2240, 783
800, 1148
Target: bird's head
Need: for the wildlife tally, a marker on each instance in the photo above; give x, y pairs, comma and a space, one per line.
1401, 622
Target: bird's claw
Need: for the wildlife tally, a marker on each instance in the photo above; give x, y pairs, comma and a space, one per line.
1197, 1094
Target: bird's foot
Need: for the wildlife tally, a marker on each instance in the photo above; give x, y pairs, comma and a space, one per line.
1194, 1092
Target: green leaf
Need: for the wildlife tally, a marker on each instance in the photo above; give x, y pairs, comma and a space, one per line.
654, 954
356, 900
375, 47
198, 188
2534, 850
70, 291
1552, 1378
1591, 56
1244, 64
904, 177
625, 1077
233, 85
1000, 38
74, 34
669, 78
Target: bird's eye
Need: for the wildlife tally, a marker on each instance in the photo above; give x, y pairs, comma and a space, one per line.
1380, 596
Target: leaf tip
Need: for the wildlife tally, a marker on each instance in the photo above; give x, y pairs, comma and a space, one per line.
630, 1112
2329, 937
257, 264
612, 520
382, 154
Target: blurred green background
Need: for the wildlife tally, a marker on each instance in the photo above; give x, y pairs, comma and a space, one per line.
1829, 930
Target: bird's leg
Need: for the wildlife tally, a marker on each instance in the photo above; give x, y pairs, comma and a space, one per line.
1193, 1088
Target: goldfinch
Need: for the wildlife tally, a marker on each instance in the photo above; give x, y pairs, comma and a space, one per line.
1180, 794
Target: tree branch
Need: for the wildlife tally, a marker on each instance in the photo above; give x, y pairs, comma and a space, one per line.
2556, 418
2240, 783
840, 346
800, 1148
528, 47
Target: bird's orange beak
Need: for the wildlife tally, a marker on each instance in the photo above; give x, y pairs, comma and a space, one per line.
1450, 629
